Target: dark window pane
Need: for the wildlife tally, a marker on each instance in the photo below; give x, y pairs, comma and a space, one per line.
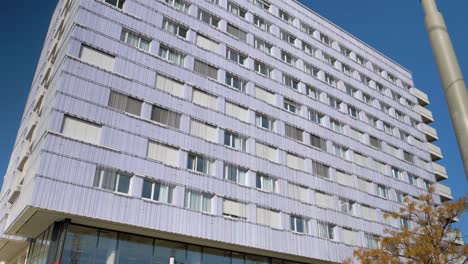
80, 245
147, 185
135, 249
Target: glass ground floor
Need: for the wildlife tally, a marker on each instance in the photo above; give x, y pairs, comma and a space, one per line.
67, 243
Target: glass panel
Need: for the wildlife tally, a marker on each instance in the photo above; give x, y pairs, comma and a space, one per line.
124, 183
215, 256
194, 254
164, 250
80, 245
134, 249
107, 245
237, 258
147, 186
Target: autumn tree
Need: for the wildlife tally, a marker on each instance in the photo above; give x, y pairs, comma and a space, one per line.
427, 235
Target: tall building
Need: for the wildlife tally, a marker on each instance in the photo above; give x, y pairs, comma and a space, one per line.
211, 131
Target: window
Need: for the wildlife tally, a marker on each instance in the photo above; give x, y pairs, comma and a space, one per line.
263, 69
365, 79
266, 152
345, 51
326, 230
198, 201
315, 116
207, 43
355, 134
373, 121
288, 37
346, 206
404, 223
236, 10
165, 154
382, 191
175, 28
360, 60
404, 136
235, 82
205, 69
234, 209
81, 130
427, 185
291, 106
396, 173
262, 45
388, 128
201, 164
269, 218
295, 162
266, 183
169, 85
325, 39
318, 142
375, 142
307, 29
286, 16
97, 58
344, 178
234, 140
320, 169
311, 70
366, 186
380, 88
328, 59
265, 95
400, 116
372, 241
336, 126
385, 108
263, 4
135, 40
157, 191
346, 69
413, 180
235, 56
353, 112
117, 3
367, 99
290, 82
264, 121
312, 92
112, 180
298, 192
288, 58
400, 197
237, 111
307, 48
166, 117
298, 224
340, 151
368, 213
323, 200
125, 103
203, 130
262, 23
204, 99
236, 32
172, 55
179, 5
330, 80
408, 157
392, 78
294, 132
208, 18
235, 174
360, 159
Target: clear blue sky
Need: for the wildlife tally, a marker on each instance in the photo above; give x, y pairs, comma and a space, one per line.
393, 27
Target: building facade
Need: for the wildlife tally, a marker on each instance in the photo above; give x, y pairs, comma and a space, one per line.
211, 131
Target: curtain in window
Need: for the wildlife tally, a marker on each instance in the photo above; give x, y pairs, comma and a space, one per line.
297, 192
323, 200
97, 58
205, 99
81, 130
171, 86
205, 69
295, 162
204, 131
265, 95
237, 111
266, 152
165, 154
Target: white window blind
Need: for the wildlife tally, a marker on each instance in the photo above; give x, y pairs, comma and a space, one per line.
234, 209
323, 200
368, 213
164, 154
366, 186
81, 130
265, 151
392, 150
206, 43
237, 111
379, 166
360, 159
349, 237
269, 217
171, 86
343, 178
203, 130
298, 192
295, 162
97, 58
355, 134
265, 95
204, 99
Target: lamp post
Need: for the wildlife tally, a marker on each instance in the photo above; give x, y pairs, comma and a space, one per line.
450, 74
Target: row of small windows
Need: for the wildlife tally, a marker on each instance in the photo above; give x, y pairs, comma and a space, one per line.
213, 20
133, 106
